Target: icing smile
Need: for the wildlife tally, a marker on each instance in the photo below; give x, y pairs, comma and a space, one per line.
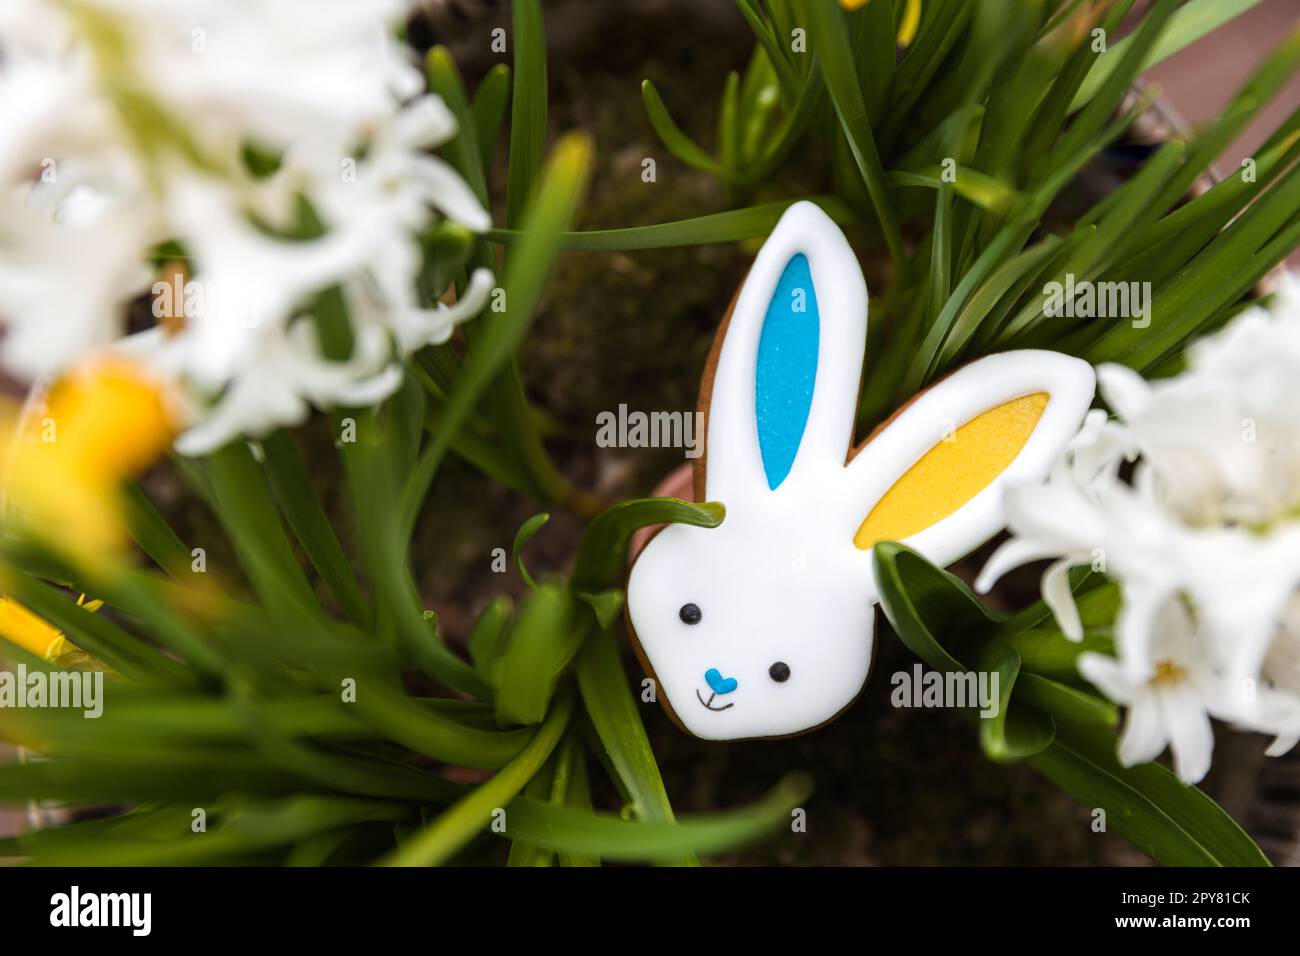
709, 703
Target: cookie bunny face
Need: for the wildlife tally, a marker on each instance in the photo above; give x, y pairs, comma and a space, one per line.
762, 626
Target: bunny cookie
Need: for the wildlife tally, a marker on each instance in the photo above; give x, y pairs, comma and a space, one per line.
763, 626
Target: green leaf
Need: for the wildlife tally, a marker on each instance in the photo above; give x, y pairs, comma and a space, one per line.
543, 640
1220, 274
374, 468
1054, 107
1010, 734
871, 34
970, 320
1065, 704
602, 553
488, 108
94, 633
729, 127
448, 247
154, 535
613, 713
539, 788
1174, 824
923, 602
527, 107
123, 776
829, 33
774, 50
306, 516
569, 830
940, 278
429, 732
1050, 653
1096, 598
563, 184
792, 128
1122, 64
157, 837
607, 605
672, 136
1194, 20
451, 830
489, 634
245, 507
572, 789
731, 226
984, 191
522, 537
1195, 813
464, 149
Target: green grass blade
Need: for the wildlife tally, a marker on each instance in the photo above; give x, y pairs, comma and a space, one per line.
488, 109
545, 636
1193, 21
522, 537
984, 191
451, 830
602, 552
527, 107
775, 52
731, 226
672, 136
93, 633
306, 517
569, 830
613, 712
154, 535
829, 34
563, 184
245, 507
464, 149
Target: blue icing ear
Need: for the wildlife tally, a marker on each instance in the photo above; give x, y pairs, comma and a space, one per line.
787, 368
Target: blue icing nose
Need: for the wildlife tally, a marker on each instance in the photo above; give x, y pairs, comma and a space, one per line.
720, 684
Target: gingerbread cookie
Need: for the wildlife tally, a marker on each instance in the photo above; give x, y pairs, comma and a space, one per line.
763, 626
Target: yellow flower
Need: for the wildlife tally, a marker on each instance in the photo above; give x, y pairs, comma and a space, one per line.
20, 626
103, 422
907, 25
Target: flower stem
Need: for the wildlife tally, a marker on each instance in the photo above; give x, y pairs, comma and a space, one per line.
453, 829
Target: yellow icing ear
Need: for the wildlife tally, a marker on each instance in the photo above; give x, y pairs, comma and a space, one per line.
953, 471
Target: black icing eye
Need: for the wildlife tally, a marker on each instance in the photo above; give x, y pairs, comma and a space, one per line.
779, 672
690, 614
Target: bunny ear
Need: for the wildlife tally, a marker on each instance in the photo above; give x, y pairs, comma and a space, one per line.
933, 477
783, 392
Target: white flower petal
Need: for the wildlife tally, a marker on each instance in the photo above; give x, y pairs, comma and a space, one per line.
1057, 596
1108, 676
449, 193
1009, 555
1145, 733
1124, 390
1282, 745
1191, 737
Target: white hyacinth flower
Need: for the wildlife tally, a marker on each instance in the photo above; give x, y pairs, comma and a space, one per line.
127, 126
1203, 539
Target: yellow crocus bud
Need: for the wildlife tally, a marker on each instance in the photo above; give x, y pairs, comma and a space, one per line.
103, 422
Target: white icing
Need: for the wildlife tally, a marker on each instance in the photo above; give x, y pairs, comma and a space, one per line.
781, 579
